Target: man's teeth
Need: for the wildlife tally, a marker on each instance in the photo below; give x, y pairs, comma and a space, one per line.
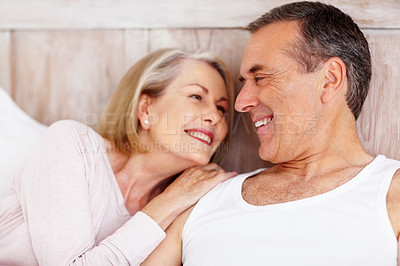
199, 135
263, 122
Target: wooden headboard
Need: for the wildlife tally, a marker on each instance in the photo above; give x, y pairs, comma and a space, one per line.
61, 59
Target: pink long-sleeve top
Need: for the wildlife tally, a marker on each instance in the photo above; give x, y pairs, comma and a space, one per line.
65, 207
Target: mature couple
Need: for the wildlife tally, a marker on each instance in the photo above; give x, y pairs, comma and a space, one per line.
326, 201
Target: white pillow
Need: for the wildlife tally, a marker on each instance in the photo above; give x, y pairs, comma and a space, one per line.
19, 135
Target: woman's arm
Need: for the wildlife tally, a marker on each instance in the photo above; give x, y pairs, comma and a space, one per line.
57, 205
55, 197
169, 252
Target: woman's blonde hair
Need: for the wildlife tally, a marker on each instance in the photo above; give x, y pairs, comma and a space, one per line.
151, 75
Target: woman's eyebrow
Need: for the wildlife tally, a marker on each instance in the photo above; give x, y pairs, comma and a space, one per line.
206, 91
222, 99
197, 84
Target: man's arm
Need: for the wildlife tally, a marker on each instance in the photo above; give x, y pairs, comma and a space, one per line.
393, 207
169, 252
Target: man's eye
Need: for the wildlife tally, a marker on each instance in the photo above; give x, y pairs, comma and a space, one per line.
257, 79
222, 109
196, 96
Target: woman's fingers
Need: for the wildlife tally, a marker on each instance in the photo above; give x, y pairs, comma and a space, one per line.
184, 192
212, 167
219, 173
226, 175
197, 181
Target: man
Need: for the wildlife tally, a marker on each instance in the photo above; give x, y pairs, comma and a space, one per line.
305, 70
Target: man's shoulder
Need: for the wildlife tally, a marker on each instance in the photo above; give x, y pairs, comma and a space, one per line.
238, 178
394, 189
397, 175
224, 189
394, 166
393, 202
251, 173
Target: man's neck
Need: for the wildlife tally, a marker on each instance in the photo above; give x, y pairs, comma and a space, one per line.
335, 148
331, 161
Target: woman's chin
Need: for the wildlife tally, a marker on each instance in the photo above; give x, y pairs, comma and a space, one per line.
197, 159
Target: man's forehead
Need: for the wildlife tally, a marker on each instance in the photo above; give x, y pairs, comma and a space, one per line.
253, 49
255, 57
267, 44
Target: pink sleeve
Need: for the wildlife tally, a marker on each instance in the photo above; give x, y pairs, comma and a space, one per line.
129, 245
147, 237
56, 206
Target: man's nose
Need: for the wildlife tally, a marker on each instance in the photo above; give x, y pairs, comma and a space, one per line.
247, 99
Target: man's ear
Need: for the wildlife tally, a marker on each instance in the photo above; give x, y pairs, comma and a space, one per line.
143, 111
334, 77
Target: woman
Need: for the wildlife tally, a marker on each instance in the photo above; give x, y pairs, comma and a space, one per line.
106, 198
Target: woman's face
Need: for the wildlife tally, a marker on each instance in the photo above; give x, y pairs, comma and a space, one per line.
188, 120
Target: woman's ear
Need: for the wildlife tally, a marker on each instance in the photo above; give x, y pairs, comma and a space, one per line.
333, 81
143, 111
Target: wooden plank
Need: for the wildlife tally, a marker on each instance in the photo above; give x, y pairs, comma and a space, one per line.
227, 44
135, 46
111, 14
67, 74
70, 74
5, 74
379, 122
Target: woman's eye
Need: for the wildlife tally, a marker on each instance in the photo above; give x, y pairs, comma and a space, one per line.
222, 109
196, 96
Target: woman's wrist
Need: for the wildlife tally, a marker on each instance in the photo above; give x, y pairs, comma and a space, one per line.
162, 210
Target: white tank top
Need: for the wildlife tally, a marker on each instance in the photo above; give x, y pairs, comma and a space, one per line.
348, 225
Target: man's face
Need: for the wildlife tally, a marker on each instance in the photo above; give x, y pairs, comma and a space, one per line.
283, 102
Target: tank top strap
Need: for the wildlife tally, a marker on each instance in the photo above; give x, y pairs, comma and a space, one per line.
388, 169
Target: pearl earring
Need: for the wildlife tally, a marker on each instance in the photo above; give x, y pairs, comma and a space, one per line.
146, 121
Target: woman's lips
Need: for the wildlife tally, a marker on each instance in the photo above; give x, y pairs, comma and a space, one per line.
201, 135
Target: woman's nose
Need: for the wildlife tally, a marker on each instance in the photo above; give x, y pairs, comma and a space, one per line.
212, 115
247, 99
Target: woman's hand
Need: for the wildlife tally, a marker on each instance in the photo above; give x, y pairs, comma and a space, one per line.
184, 192
194, 183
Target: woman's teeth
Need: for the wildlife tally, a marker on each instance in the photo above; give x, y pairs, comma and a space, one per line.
263, 122
199, 135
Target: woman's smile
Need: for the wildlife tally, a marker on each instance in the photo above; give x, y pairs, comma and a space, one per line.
201, 135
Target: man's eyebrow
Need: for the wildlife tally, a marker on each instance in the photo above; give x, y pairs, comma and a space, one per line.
253, 69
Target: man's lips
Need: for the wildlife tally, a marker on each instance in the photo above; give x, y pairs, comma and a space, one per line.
263, 121
201, 135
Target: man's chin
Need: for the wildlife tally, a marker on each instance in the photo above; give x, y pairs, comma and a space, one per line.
270, 155
265, 155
